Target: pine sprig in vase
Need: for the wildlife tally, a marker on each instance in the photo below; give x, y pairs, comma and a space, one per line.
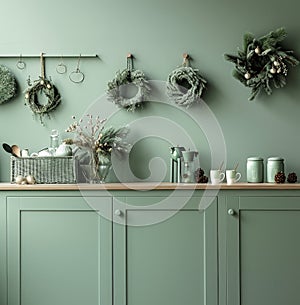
91, 135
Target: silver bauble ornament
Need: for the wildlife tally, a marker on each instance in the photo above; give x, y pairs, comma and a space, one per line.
273, 70
42, 82
276, 63
19, 179
257, 50
30, 179
247, 75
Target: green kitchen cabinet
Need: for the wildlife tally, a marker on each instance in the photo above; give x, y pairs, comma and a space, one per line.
131, 248
59, 251
164, 255
263, 250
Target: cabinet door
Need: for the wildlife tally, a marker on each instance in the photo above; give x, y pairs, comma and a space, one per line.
171, 260
59, 251
263, 250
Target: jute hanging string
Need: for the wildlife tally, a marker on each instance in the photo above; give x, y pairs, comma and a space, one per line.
42, 86
126, 77
185, 85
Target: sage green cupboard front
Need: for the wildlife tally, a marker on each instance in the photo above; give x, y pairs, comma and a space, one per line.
64, 250
243, 249
163, 255
263, 250
58, 251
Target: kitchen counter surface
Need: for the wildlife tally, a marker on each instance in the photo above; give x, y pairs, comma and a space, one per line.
150, 186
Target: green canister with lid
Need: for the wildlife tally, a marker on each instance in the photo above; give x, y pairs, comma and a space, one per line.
274, 166
255, 170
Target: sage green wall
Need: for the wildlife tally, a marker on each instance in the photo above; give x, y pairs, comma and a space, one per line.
157, 33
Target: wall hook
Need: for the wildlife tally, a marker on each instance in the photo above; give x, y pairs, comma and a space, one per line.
186, 56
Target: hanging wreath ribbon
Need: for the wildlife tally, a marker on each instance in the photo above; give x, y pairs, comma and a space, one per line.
185, 85
262, 64
8, 85
126, 77
45, 87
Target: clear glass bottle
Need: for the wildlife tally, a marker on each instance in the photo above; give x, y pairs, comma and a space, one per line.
54, 141
274, 166
255, 170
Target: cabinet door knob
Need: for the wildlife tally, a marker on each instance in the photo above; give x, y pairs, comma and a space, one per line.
118, 212
230, 212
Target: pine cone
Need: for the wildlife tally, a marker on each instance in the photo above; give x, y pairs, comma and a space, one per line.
292, 178
280, 177
199, 173
202, 179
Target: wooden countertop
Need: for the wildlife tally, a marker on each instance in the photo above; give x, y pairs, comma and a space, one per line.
149, 186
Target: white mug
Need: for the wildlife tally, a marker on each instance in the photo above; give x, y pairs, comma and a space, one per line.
232, 176
216, 176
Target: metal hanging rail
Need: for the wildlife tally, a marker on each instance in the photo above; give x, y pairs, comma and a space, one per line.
49, 55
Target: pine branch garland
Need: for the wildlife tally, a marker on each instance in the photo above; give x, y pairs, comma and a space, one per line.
125, 77
185, 95
262, 64
8, 85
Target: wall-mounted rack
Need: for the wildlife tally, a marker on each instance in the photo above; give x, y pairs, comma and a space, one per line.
45, 55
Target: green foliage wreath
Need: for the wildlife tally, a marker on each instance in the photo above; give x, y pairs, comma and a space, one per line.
42, 86
125, 77
262, 63
8, 85
185, 86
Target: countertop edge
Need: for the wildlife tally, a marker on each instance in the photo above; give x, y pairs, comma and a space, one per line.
149, 186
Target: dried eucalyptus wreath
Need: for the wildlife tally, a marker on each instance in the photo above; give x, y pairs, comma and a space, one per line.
45, 87
42, 86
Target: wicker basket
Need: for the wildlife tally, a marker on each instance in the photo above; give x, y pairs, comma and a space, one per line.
45, 169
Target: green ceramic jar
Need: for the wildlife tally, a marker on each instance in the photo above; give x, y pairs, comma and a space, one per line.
274, 166
255, 170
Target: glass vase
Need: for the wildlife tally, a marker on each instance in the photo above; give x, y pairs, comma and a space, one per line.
97, 169
103, 171
103, 168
